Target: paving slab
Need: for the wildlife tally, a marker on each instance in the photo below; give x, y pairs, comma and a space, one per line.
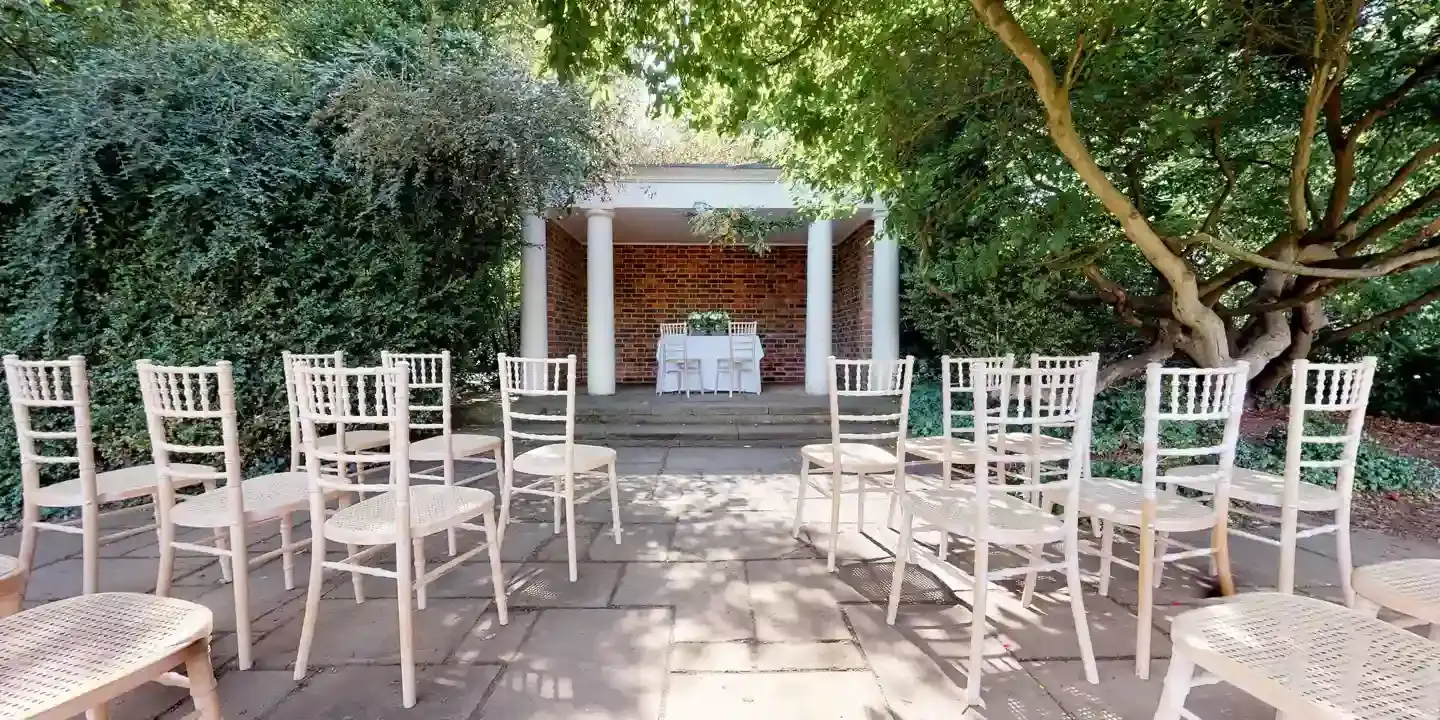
1122, 695
699, 459
711, 600
242, 695
548, 585
62, 579
373, 693
737, 537
267, 593
648, 542
712, 657
490, 643
790, 695
592, 664
557, 549
347, 633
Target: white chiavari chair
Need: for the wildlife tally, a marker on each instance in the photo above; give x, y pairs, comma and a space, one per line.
560, 459
866, 443
49, 389
354, 439
743, 358
1316, 389
182, 403
398, 515
1175, 397
1002, 510
675, 358
430, 373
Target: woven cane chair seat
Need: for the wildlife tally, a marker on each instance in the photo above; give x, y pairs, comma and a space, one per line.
432, 449
1120, 501
56, 653
432, 508
549, 460
266, 497
1408, 586
1298, 653
1257, 487
115, 485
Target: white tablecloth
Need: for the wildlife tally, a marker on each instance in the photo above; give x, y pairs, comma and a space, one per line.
708, 349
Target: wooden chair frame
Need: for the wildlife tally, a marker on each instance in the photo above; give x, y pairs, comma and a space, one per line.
180, 394
320, 360
742, 357
675, 358
378, 397
64, 384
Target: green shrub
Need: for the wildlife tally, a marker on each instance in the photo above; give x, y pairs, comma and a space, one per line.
196, 200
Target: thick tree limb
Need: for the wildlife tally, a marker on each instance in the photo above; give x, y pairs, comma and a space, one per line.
1416, 206
1228, 171
1320, 290
1384, 268
1210, 347
1376, 321
1387, 193
1162, 349
1343, 152
1428, 68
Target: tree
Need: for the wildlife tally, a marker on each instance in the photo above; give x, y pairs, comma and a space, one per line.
1214, 170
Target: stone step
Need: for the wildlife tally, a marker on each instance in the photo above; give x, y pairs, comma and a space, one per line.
697, 434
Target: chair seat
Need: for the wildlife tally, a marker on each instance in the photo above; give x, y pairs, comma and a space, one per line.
854, 457
1045, 448
549, 460
1298, 653
356, 440
115, 485
1409, 586
56, 653
933, 448
265, 497
462, 445
12, 581
1009, 518
432, 508
1119, 501
1256, 487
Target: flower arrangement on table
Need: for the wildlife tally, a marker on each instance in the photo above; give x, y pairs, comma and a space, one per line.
709, 322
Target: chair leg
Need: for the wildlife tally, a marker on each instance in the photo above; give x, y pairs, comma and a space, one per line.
449, 472
1077, 608
99, 712
570, 526
1365, 606
1027, 595
90, 553
1342, 550
835, 498
507, 479
1177, 685
241, 588
220, 544
1162, 546
800, 498
403, 599
1146, 610
902, 554
1107, 555
1289, 526
312, 598
615, 502
357, 581
287, 549
978, 610
165, 571
559, 499
202, 680
497, 576
418, 550
942, 548
29, 515
860, 482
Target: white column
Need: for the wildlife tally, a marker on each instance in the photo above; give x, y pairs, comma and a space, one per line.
600, 312
534, 340
884, 291
817, 307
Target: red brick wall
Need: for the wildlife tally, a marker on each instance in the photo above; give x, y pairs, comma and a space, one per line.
565, 295
664, 283
851, 309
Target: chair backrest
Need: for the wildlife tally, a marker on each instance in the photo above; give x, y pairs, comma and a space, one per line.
868, 381
1193, 397
62, 384
674, 328
1053, 362
673, 346
537, 378
745, 328
316, 360
957, 378
744, 346
1327, 389
429, 373
349, 397
1032, 401
191, 398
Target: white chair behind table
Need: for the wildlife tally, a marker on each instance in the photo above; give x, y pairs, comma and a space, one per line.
1316, 389
1003, 514
675, 358
397, 515
850, 451
353, 439
48, 388
1305, 657
744, 349
430, 373
1177, 397
190, 402
559, 460
952, 446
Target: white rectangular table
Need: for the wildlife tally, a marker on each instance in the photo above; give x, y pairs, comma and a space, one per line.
708, 349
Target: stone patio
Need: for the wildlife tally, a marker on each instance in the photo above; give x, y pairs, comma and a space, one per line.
708, 609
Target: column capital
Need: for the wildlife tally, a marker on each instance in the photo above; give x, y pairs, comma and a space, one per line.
600, 212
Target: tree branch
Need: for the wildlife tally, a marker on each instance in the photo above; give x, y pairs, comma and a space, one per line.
1228, 171
1315, 293
1427, 69
1386, 193
1376, 321
1159, 351
1415, 207
1385, 268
